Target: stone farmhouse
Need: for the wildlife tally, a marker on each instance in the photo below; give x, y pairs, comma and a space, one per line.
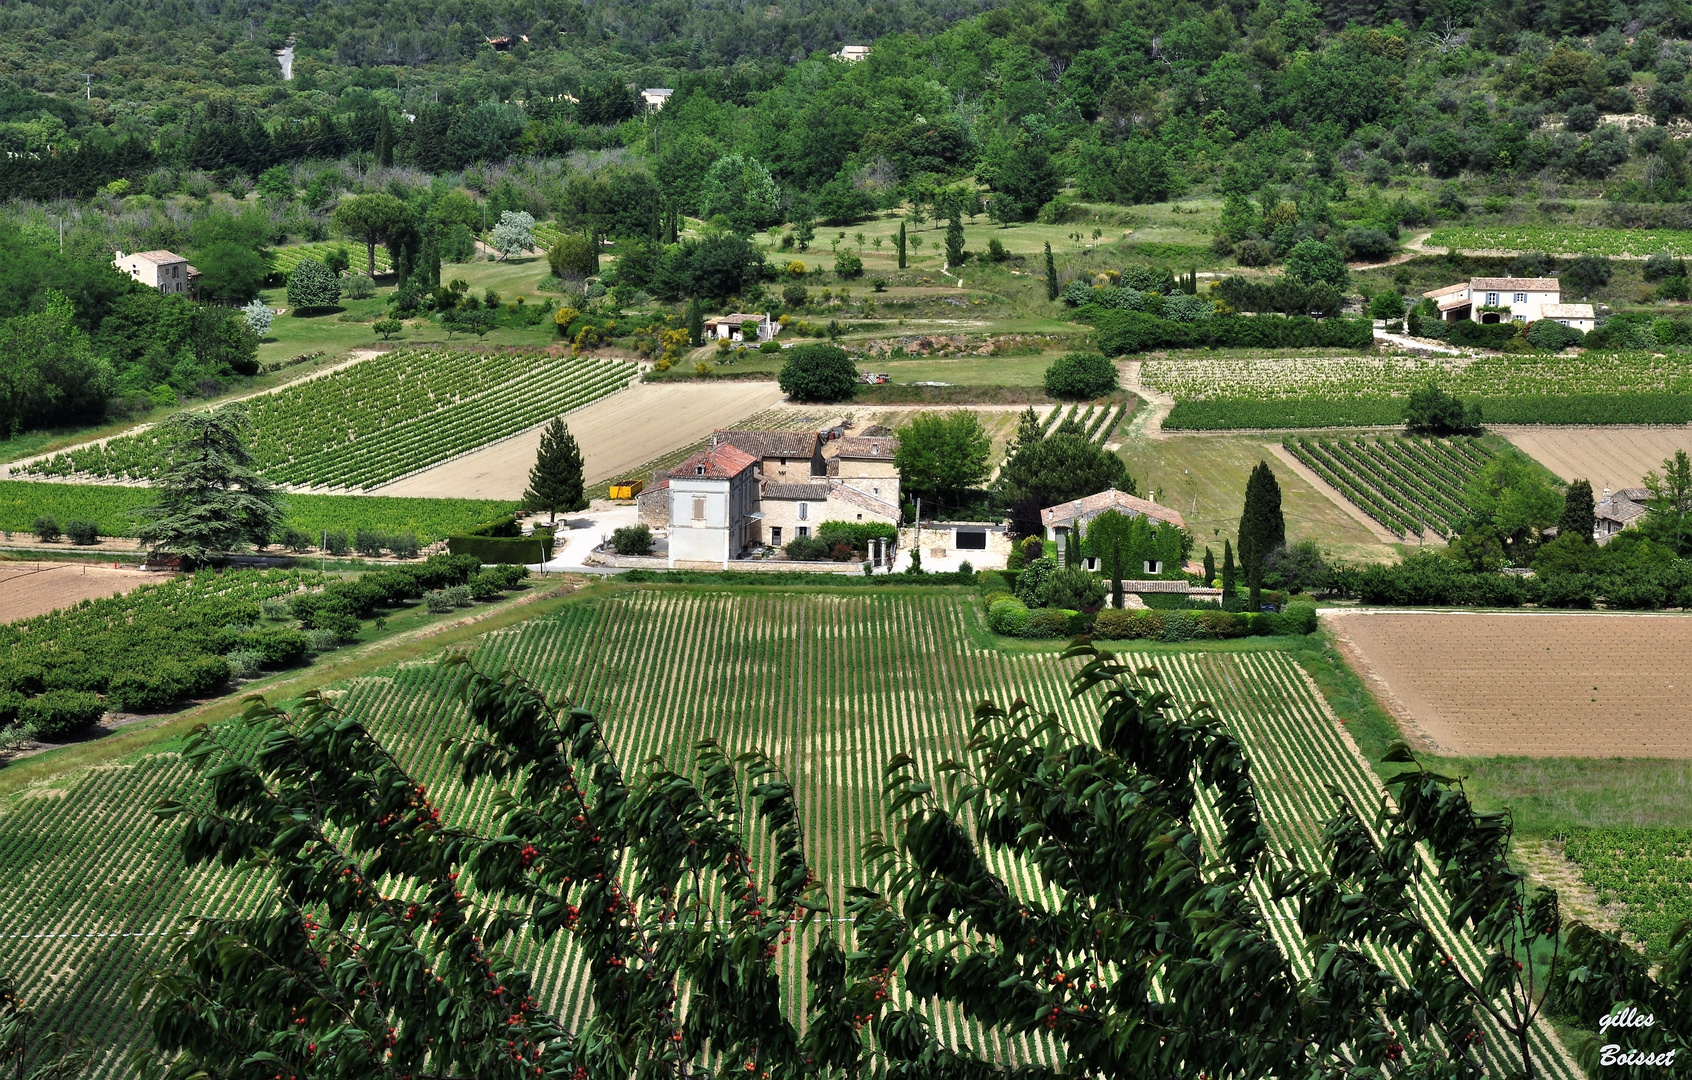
1619, 510
654, 97
1523, 300
750, 489
165, 271
1060, 520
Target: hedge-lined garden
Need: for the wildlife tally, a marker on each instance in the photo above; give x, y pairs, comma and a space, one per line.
1136, 331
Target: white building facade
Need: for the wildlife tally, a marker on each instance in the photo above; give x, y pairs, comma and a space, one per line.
713, 506
1521, 300
165, 271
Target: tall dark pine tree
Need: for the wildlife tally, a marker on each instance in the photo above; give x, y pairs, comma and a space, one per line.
211, 500
555, 483
1209, 566
1262, 528
901, 245
1051, 274
1580, 514
1227, 569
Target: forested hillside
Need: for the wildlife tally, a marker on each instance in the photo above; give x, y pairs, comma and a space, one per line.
1134, 100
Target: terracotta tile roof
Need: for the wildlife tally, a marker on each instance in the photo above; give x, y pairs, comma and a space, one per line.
1461, 286
1622, 510
866, 446
160, 256
763, 444
1516, 284
864, 501
1065, 514
717, 463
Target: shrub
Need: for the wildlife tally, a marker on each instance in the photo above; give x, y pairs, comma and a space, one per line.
336, 541
324, 640
820, 373
458, 594
632, 540
1048, 623
82, 532
1253, 253
1181, 626
1080, 376
1553, 336
245, 663
483, 587
46, 529
1074, 588
847, 264
278, 647
437, 601
295, 540
1114, 624
360, 287
1008, 616
1077, 292
369, 542
770, 347
404, 545
60, 714
312, 285
1136, 331
1031, 583
807, 548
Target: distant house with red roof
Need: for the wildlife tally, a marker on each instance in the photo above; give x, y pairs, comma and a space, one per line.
1064, 516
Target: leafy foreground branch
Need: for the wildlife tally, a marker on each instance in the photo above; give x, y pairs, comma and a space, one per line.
1151, 951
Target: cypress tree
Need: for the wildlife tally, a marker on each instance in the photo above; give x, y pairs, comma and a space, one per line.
1227, 569
1262, 528
1051, 272
555, 483
954, 242
1209, 566
695, 324
901, 245
1580, 514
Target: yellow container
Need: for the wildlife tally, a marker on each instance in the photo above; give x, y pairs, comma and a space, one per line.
627, 490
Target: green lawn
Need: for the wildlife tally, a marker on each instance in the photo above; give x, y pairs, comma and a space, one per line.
1204, 477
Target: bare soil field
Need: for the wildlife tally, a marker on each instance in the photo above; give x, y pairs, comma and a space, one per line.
616, 434
1482, 684
28, 589
1607, 457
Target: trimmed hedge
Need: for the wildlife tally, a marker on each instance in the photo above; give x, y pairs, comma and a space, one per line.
1135, 331
1430, 579
60, 714
1008, 616
488, 549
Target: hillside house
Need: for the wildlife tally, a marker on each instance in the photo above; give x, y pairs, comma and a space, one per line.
1619, 510
851, 54
1060, 520
165, 271
866, 462
713, 498
788, 492
740, 327
783, 456
1522, 300
654, 97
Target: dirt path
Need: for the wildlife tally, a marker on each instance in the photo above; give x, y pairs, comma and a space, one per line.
14, 470
616, 434
1147, 423
1309, 475
1416, 249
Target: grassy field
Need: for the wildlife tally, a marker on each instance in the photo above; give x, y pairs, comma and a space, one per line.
831, 684
1204, 477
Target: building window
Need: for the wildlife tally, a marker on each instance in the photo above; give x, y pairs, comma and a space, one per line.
1521, 298
698, 509
699, 470
970, 539
803, 530
1565, 322
775, 535
1154, 566
1491, 299
804, 511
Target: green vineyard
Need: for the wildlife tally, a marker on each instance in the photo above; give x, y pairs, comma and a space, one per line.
1409, 485
1095, 421
1648, 871
382, 418
831, 685
287, 258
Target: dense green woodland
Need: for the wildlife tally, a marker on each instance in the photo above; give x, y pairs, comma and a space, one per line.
1133, 101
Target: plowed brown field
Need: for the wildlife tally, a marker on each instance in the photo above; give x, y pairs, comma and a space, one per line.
28, 589
1526, 684
1606, 457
